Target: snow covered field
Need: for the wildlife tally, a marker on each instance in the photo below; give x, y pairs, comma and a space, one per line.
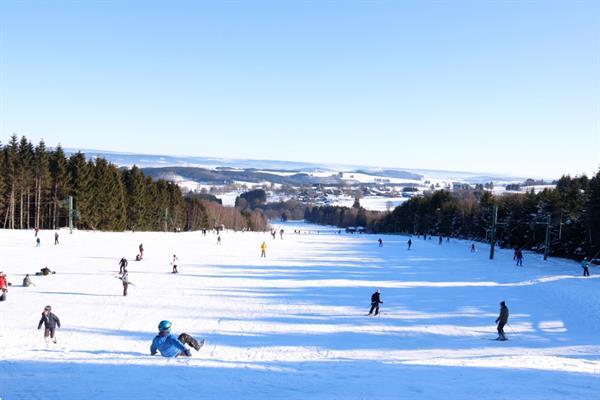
293, 325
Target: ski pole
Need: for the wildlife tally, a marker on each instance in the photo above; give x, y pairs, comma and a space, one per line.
512, 330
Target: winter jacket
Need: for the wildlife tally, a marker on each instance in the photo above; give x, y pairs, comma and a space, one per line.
503, 317
3, 284
50, 321
585, 264
27, 281
375, 299
168, 346
263, 246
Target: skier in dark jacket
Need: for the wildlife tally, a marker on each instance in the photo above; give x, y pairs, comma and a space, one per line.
585, 264
375, 302
380, 242
502, 320
55, 238
519, 257
170, 346
409, 243
122, 265
50, 322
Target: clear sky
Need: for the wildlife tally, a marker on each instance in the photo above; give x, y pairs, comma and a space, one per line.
510, 87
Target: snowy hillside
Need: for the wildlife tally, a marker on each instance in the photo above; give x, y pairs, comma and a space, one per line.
293, 325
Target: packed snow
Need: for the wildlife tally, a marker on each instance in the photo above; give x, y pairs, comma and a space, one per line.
293, 325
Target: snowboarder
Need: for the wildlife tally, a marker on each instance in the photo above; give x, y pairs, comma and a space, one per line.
55, 238
473, 249
174, 264
409, 243
122, 265
27, 281
375, 302
141, 247
380, 242
38, 242
519, 257
502, 320
125, 279
585, 264
263, 250
50, 322
45, 272
170, 346
3, 286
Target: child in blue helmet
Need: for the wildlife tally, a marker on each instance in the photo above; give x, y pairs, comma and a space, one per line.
170, 346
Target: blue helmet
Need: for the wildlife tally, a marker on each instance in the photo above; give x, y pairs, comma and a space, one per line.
164, 326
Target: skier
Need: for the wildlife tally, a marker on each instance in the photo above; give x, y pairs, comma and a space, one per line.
37, 242
141, 247
409, 243
36, 231
50, 322
585, 264
27, 281
122, 265
375, 302
502, 320
3, 286
473, 249
125, 279
55, 238
219, 239
170, 346
263, 250
380, 242
174, 264
440, 240
281, 234
519, 257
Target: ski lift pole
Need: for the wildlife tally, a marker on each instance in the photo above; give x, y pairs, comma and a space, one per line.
70, 215
547, 240
493, 232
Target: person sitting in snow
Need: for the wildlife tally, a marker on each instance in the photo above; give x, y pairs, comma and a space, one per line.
168, 345
45, 272
27, 281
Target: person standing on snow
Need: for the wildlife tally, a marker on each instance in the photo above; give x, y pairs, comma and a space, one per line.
174, 264
170, 346
38, 242
375, 302
50, 322
122, 265
219, 239
141, 247
585, 264
519, 257
440, 240
55, 238
409, 243
473, 249
125, 279
263, 250
502, 320
3, 286
380, 242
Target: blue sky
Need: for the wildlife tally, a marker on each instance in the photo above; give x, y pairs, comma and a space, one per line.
509, 87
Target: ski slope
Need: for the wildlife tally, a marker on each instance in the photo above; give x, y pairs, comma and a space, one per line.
293, 325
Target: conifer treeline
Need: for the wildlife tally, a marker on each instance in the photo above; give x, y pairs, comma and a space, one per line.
573, 207
35, 184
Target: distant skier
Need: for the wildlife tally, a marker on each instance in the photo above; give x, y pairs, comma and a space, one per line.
55, 238
125, 279
473, 249
585, 264
122, 265
263, 250
380, 242
27, 281
38, 242
409, 243
141, 247
440, 240
219, 240
281, 234
50, 322
36, 231
3, 286
170, 346
174, 264
502, 320
519, 257
375, 302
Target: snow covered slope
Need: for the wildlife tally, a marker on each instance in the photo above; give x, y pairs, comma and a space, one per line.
293, 325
